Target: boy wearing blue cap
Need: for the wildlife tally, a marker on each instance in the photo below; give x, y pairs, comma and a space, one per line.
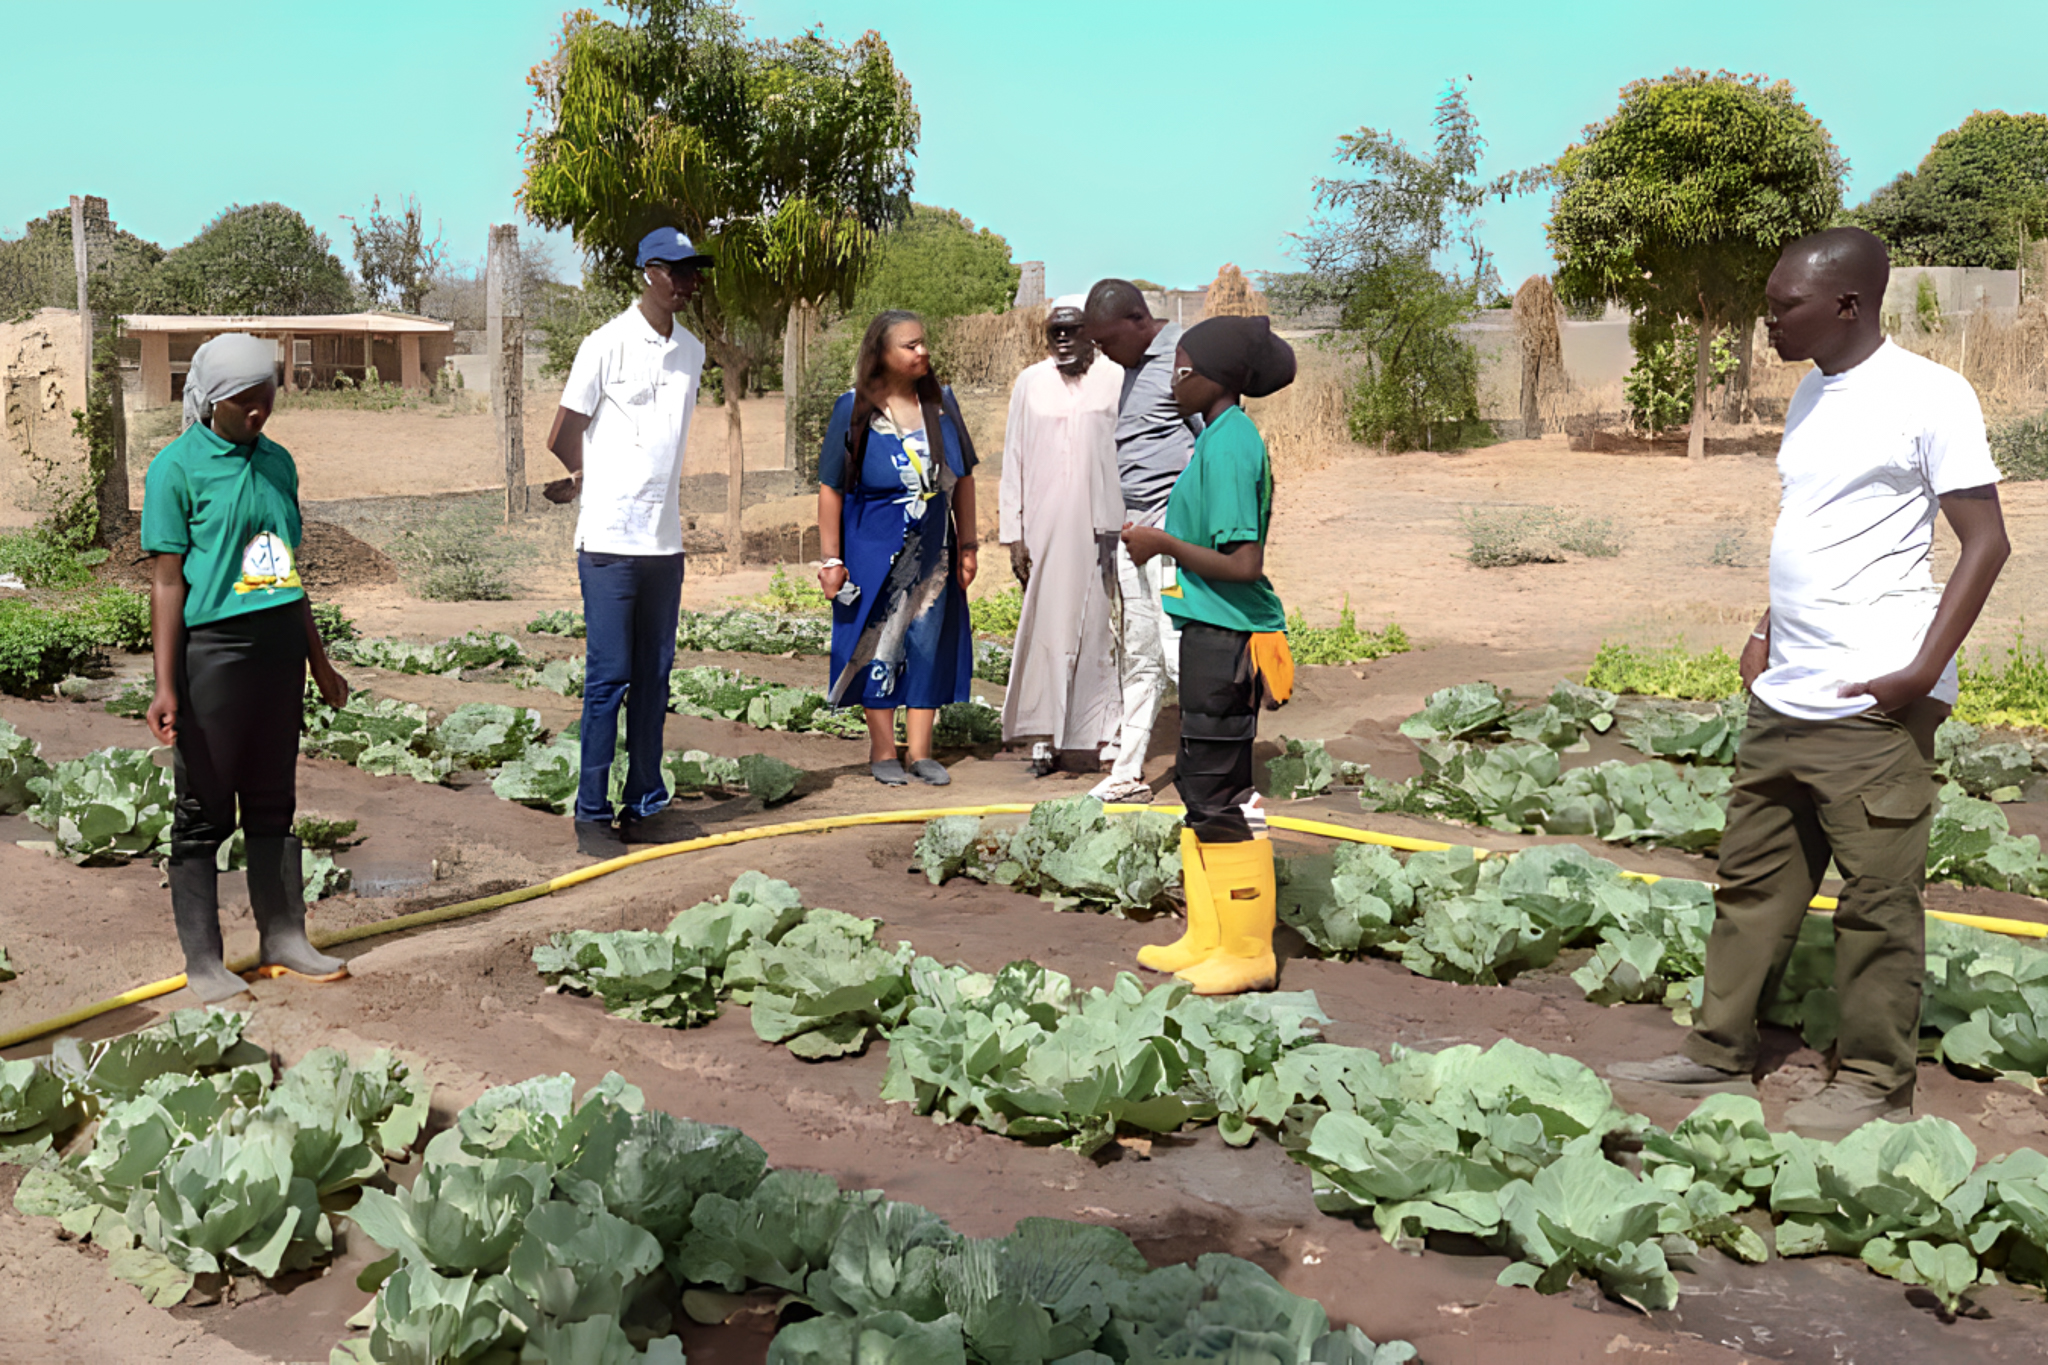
620, 431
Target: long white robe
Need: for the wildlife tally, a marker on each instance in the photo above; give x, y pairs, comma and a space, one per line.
1059, 495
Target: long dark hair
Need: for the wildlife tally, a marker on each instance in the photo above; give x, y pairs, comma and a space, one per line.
867, 368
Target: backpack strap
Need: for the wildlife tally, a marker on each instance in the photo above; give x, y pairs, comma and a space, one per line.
856, 450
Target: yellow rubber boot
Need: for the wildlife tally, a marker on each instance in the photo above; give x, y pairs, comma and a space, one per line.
1200, 939
1240, 880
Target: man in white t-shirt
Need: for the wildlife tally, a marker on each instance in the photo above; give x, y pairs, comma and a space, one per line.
1850, 671
620, 432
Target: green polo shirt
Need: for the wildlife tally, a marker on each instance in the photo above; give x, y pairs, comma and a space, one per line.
1223, 497
233, 512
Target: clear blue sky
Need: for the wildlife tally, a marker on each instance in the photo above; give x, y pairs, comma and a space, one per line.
1157, 138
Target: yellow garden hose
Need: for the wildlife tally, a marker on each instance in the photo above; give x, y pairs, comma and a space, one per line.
464, 909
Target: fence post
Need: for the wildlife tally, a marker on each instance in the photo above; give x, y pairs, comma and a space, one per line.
109, 480
796, 355
505, 336
81, 263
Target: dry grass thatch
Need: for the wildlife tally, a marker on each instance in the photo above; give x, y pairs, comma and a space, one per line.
2004, 356
1230, 295
1307, 424
989, 350
1535, 314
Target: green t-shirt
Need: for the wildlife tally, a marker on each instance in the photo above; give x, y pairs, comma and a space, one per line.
233, 512
1224, 496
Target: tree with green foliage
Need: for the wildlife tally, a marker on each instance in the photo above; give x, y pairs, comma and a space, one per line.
1419, 385
783, 159
1677, 204
36, 268
938, 264
1979, 195
396, 260
258, 259
1371, 253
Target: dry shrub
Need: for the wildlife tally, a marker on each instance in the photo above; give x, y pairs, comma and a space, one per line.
1306, 424
2004, 356
1230, 295
989, 350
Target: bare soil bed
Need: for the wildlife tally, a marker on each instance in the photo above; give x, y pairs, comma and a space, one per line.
464, 1001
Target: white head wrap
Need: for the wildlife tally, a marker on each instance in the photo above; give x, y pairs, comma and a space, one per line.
224, 367
1067, 303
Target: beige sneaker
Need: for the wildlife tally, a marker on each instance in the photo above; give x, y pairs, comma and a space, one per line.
1681, 1073
1841, 1108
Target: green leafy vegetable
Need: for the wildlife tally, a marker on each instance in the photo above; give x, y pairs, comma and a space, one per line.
481, 735
478, 649
556, 675
34, 1110
1452, 712
18, 765
106, 807
1019, 1054
1667, 730
544, 777
753, 632
1067, 849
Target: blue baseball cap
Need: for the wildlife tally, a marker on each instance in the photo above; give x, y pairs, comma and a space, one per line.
668, 245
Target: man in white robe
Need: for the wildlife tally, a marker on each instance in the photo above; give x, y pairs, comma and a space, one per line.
1061, 511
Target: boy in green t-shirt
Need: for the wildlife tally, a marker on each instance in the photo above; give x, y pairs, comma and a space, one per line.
1233, 652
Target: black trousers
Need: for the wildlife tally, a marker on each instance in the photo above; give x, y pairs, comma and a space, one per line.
241, 703
1219, 720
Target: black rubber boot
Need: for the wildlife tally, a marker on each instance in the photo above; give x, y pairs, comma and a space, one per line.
277, 893
195, 906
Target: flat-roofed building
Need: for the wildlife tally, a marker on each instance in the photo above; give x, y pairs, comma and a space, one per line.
312, 351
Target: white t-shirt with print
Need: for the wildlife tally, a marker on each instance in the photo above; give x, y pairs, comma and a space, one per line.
1866, 455
639, 390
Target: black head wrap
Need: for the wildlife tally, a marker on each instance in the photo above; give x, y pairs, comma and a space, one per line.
1241, 354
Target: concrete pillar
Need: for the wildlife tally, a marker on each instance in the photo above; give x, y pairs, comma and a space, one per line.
409, 360
369, 357
1030, 285
156, 369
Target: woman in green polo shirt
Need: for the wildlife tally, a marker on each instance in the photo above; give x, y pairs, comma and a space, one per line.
1233, 652
233, 634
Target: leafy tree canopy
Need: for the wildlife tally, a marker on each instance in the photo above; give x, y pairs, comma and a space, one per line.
1678, 204
937, 263
1407, 204
257, 258
36, 269
1371, 252
784, 159
1978, 192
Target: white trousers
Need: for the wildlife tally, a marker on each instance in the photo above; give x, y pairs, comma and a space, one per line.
1148, 652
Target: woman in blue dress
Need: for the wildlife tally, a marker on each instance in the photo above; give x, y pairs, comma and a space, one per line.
897, 533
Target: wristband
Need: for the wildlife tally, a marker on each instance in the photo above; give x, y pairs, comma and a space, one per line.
832, 563
970, 545
1759, 635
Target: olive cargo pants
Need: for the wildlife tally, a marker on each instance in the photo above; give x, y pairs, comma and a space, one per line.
1860, 790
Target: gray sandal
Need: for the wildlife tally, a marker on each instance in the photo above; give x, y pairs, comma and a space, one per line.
888, 771
929, 772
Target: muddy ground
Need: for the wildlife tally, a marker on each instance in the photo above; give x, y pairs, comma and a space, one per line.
464, 1001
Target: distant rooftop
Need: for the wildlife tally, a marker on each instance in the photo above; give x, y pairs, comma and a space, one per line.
388, 323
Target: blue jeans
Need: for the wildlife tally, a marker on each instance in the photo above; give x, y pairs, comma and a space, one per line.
630, 607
